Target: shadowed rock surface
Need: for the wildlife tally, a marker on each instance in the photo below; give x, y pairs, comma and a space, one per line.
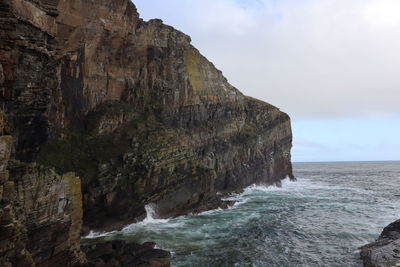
90, 90
385, 251
121, 254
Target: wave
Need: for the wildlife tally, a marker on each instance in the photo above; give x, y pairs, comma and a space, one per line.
287, 185
94, 235
151, 214
302, 184
151, 211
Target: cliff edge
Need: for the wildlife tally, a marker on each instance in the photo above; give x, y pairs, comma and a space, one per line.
131, 110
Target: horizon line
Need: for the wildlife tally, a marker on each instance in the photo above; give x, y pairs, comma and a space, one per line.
346, 161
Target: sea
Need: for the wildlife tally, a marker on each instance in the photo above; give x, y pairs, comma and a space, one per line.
321, 219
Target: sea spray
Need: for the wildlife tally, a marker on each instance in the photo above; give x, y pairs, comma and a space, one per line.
94, 234
151, 219
320, 220
150, 213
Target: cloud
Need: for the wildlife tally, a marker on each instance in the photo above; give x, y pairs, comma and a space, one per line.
312, 58
383, 13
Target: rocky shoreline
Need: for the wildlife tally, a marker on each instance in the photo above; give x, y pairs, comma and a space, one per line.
385, 251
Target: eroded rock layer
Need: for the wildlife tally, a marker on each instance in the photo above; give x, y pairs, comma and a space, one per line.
133, 109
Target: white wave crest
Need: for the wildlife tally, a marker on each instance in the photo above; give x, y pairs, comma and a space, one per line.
151, 219
93, 234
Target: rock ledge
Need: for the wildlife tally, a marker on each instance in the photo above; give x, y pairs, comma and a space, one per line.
385, 251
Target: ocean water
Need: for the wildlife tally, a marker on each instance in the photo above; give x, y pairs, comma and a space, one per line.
320, 220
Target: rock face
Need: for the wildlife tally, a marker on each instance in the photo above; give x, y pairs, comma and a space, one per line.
386, 250
133, 109
40, 214
120, 254
150, 120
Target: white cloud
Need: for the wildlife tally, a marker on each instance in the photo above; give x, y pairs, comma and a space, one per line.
383, 13
312, 58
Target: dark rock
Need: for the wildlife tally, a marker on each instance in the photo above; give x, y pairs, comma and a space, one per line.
121, 254
149, 244
1, 74
384, 252
392, 231
40, 213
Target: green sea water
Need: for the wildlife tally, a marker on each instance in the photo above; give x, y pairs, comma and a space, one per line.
319, 220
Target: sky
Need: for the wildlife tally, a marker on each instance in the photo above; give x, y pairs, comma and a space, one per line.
332, 65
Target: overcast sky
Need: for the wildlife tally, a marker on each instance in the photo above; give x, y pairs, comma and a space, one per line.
333, 65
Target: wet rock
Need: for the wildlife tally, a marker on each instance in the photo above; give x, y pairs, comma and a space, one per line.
392, 231
122, 254
384, 252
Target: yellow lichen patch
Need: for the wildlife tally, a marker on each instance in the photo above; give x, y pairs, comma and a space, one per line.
5, 150
74, 184
2, 120
9, 193
110, 198
193, 69
140, 186
76, 211
6, 139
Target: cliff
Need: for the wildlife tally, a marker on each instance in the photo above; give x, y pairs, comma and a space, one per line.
40, 212
386, 250
130, 107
